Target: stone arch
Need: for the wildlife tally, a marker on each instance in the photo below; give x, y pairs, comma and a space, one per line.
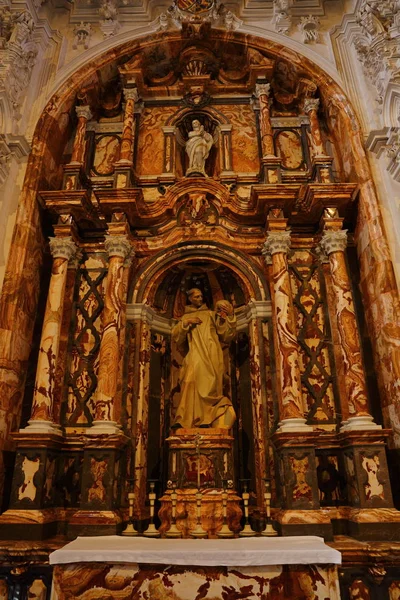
147, 278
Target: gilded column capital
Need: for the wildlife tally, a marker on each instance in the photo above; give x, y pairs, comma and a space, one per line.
63, 247
334, 241
131, 94
310, 104
118, 245
84, 111
277, 241
262, 89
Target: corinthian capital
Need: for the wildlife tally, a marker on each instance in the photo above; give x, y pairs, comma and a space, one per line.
277, 241
262, 89
63, 247
310, 104
118, 245
131, 94
334, 241
83, 111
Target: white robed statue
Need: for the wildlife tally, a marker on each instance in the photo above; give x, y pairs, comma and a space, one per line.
198, 336
198, 148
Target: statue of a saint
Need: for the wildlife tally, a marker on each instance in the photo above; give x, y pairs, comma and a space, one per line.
198, 336
198, 148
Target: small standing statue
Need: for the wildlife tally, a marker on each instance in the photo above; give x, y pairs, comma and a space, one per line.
198, 148
198, 336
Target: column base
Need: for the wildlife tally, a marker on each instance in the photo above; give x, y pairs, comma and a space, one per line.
360, 423
41, 426
30, 524
304, 522
94, 523
293, 425
100, 427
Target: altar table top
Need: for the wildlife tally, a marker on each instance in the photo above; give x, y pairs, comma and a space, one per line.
257, 551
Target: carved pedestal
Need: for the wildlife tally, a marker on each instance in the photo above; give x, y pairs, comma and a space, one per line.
371, 515
301, 514
200, 458
33, 514
103, 468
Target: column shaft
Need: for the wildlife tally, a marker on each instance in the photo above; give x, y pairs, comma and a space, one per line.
63, 249
287, 348
267, 140
78, 152
333, 244
118, 248
310, 108
128, 133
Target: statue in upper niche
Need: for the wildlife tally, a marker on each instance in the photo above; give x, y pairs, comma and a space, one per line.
198, 336
198, 148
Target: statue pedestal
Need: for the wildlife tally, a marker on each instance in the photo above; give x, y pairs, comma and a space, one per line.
200, 459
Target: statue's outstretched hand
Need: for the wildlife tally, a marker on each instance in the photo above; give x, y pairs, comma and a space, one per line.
192, 322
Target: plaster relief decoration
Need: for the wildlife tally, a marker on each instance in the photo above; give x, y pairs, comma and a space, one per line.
282, 18
110, 24
377, 44
194, 16
29, 469
197, 209
18, 54
309, 28
373, 487
82, 35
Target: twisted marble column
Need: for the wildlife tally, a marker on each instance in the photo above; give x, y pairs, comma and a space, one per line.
128, 133
333, 243
267, 140
63, 250
119, 249
291, 408
310, 108
78, 152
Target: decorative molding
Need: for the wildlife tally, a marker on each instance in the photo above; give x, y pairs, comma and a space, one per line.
143, 312
255, 309
386, 141
334, 241
11, 147
110, 24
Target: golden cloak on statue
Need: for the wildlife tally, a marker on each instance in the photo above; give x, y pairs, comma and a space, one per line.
198, 336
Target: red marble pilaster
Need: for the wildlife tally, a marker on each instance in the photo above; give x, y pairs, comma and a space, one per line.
291, 408
42, 416
119, 249
333, 243
128, 133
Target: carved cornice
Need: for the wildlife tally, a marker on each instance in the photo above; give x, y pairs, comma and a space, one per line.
118, 245
63, 247
334, 241
143, 312
276, 242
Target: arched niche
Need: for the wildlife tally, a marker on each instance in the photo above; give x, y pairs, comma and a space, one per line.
157, 301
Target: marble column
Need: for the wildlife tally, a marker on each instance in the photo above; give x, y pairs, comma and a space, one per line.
78, 152
267, 140
310, 108
333, 243
291, 408
124, 166
119, 249
63, 249
128, 133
